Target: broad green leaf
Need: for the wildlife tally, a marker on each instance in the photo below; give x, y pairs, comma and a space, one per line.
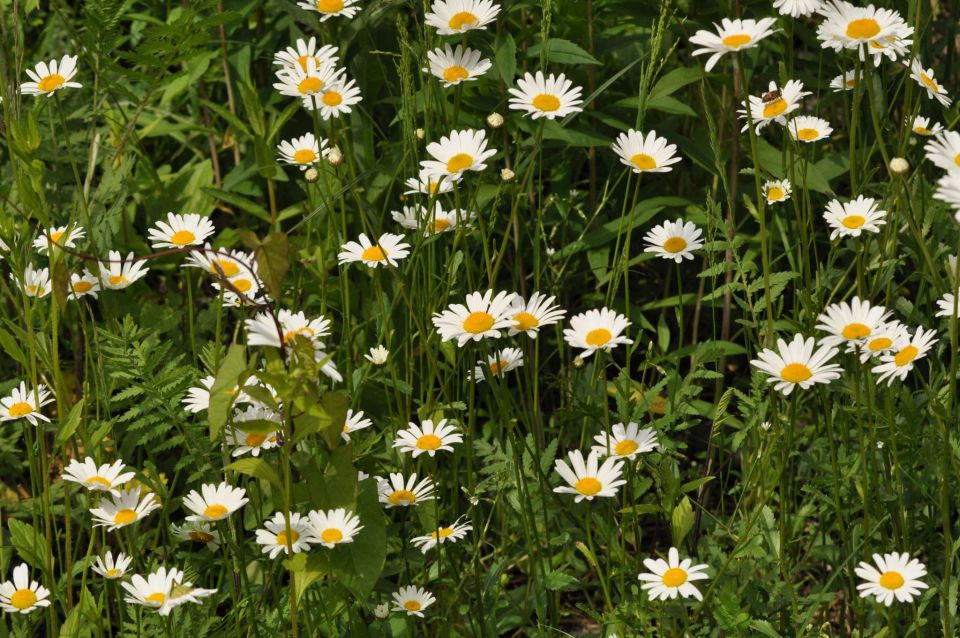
505, 57
257, 468
29, 542
227, 378
273, 262
69, 425
681, 521
562, 51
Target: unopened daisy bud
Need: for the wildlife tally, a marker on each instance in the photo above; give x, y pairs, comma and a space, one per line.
378, 355
577, 362
381, 611
495, 120
420, 133
899, 166
311, 175
335, 156
507, 175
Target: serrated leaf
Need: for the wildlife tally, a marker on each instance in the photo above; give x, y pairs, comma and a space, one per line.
681, 521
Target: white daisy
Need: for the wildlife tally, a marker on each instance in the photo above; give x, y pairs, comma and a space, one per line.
797, 364
355, 421
450, 17
152, 591
672, 577
221, 262
180, 230
589, 479
20, 595
650, 154
59, 236
331, 8
297, 57
397, 492
529, 316
124, 509
731, 36
550, 97
307, 82
883, 339
925, 78
97, 478
262, 330
25, 404
36, 282
303, 151
49, 77
780, 102
845, 82
388, 249
252, 442
807, 128
899, 360
797, 8
922, 126
848, 27
118, 273
946, 305
337, 98
674, 240
851, 323
484, 316
214, 502
895, 576
454, 66
183, 592
428, 438
462, 151
299, 534
429, 183
597, 330
197, 532
333, 527
854, 217
498, 364
378, 355
112, 568
83, 284
417, 217
443, 534
625, 442
777, 191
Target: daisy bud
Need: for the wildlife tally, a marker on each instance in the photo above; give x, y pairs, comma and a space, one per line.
420, 133
495, 120
311, 175
377, 356
507, 175
381, 611
335, 156
577, 362
899, 166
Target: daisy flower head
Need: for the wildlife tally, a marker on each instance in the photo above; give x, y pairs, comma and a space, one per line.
214, 502
59, 236
276, 535
378, 355
451, 533
337, 98
251, 442
797, 364
797, 8
650, 154
48, 77
731, 36
412, 600
20, 595
221, 262
625, 441
483, 316
97, 478
417, 217
895, 576
333, 527
461, 151
307, 81
428, 182
674, 240
893, 47
388, 249
944, 151
36, 282
297, 56
428, 438
498, 364
331, 8
550, 97
152, 591
925, 78
200, 532
303, 151
454, 66
262, 330
849, 27
946, 304
670, 578
807, 128
845, 82
597, 330
922, 126
183, 592
853, 322
777, 191
325, 361
83, 284
119, 273
22, 403
451, 17
883, 339
774, 105
589, 479
124, 509
854, 217
112, 568
355, 421
399, 492
900, 359
180, 230
531, 315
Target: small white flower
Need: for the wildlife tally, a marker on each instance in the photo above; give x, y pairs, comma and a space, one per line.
550, 97
854, 217
59, 236
355, 421
333, 527
809, 129
276, 535
443, 534
452, 17
589, 479
674, 240
97, 478
455, 66
214, 502
777, 191
180, 230
428, 438
398, 492
22, 595
49, 77
118, 273
412, 600
597, 330
650, 154
378, 355
895, 576
111, 568
388, 249
672, 577
796, 364
626, 442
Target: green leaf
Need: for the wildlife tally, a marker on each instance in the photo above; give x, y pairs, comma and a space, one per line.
562, 51
257, 468
505, 57
69, 425
560, 581
221, 398
358, 564
681, 522
240, 202
273, 262
29, 542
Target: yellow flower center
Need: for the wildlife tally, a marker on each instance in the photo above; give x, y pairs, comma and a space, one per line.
863, 29
433, 186
412, 605
294, 535
956, 159
329, 6
304, 156
23, 599
855, 331
853, 221
20, 409
478, 322
201, 537
116, 280
929, 82
55, 237
332, 98
228, 267
906, 355
98, 480
598, 336
921, 130
82, 286
439, 225
455, 73
402, 497
880, 343
795, 373
158, 598
675, 244
215, 511
124, 517
497, 366
891, 580
808, 134
254, 440
332, 535
442, 533
310, 85
374, 253
302, 60
626, 447
462, 20
429, 442
775, 194
51, 83
182, 238
775, 108
736, 40
644, 162
674, 577
588, 486
546, 102
243, 285
459, 162
111, 573
525, 321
